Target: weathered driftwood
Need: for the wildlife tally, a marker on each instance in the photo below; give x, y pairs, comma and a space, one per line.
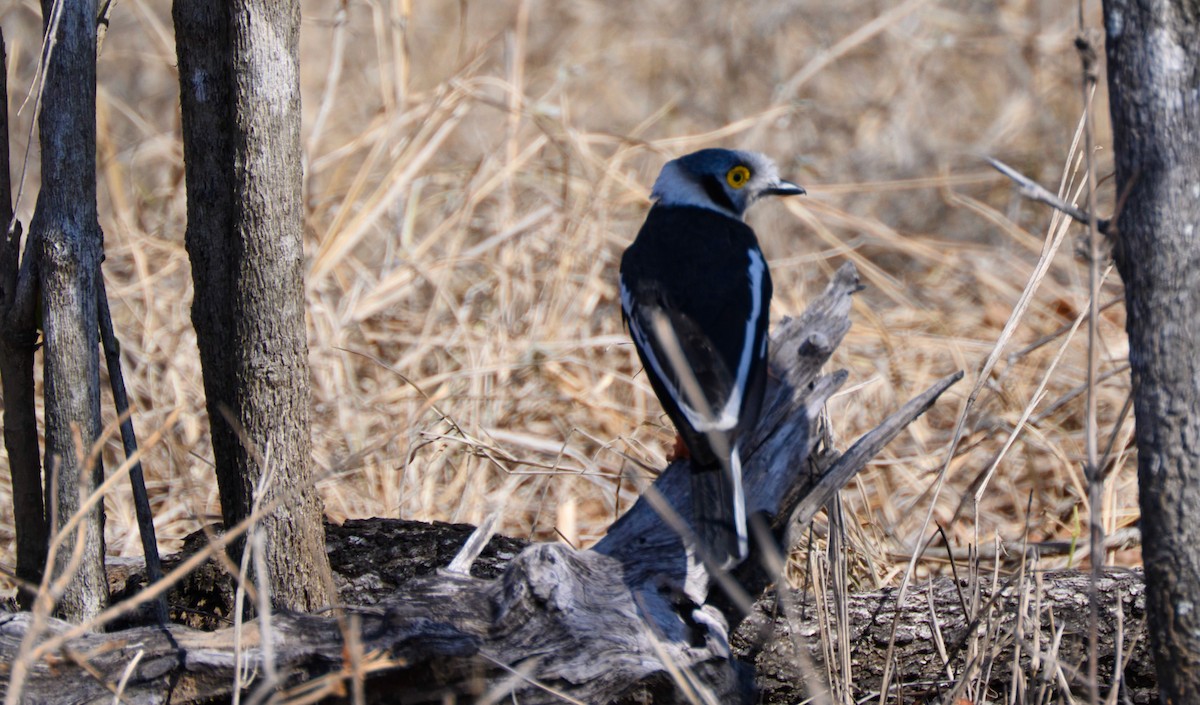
620, 622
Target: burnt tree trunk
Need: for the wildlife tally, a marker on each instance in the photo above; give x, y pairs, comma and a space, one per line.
18, 341
68, 246
1154, 87
239, 83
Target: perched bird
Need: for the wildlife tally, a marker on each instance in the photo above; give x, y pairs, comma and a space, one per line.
695, 292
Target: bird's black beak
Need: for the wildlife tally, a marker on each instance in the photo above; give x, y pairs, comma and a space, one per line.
784, 188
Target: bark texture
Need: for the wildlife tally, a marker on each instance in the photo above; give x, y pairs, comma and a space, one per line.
431, 637
999, 635
18, 341
1154, 87
239, 80
68, 245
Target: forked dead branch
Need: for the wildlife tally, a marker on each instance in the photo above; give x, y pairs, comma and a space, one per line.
558, 624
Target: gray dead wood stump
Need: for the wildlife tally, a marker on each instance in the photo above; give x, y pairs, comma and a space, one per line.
622, 622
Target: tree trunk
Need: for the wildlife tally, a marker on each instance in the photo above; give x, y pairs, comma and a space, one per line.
68, 245
1153, 74
18, 340
239, 80
202, 45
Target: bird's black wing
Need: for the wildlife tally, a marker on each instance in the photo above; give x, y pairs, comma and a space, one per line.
665, 337
703, 273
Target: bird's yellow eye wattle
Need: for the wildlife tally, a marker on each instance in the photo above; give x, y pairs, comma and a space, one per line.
738, 176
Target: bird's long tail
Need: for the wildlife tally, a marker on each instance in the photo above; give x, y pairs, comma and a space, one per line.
719, 511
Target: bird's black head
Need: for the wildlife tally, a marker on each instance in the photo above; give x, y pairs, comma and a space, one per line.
725, 180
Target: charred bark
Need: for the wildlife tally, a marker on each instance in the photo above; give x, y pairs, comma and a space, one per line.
18, 342
1153, 77
433, 635
1025, 639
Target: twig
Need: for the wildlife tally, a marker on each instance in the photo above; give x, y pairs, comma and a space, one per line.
474, 545
862, 451
18, 340
49, 41
1036, 192
1087, 57
1076, 391
1049, 337
103, 17
1107, 461
137, 482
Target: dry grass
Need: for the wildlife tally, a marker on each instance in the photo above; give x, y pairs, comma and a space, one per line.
474, 170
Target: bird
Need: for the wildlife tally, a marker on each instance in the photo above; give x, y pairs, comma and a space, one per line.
695, 292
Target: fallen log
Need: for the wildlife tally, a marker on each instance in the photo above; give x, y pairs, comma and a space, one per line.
1022, 638
949, 634
630, 620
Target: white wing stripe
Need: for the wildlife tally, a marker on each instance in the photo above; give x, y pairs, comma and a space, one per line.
757, 267
699, 421
733, 405
739, 504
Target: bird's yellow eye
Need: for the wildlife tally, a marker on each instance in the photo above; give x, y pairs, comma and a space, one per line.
738, 176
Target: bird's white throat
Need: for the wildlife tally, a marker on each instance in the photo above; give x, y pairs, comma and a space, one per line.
675, 188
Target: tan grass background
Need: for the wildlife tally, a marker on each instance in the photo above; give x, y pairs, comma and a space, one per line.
475, 168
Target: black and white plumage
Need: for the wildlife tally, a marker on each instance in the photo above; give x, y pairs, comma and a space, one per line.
695, 293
